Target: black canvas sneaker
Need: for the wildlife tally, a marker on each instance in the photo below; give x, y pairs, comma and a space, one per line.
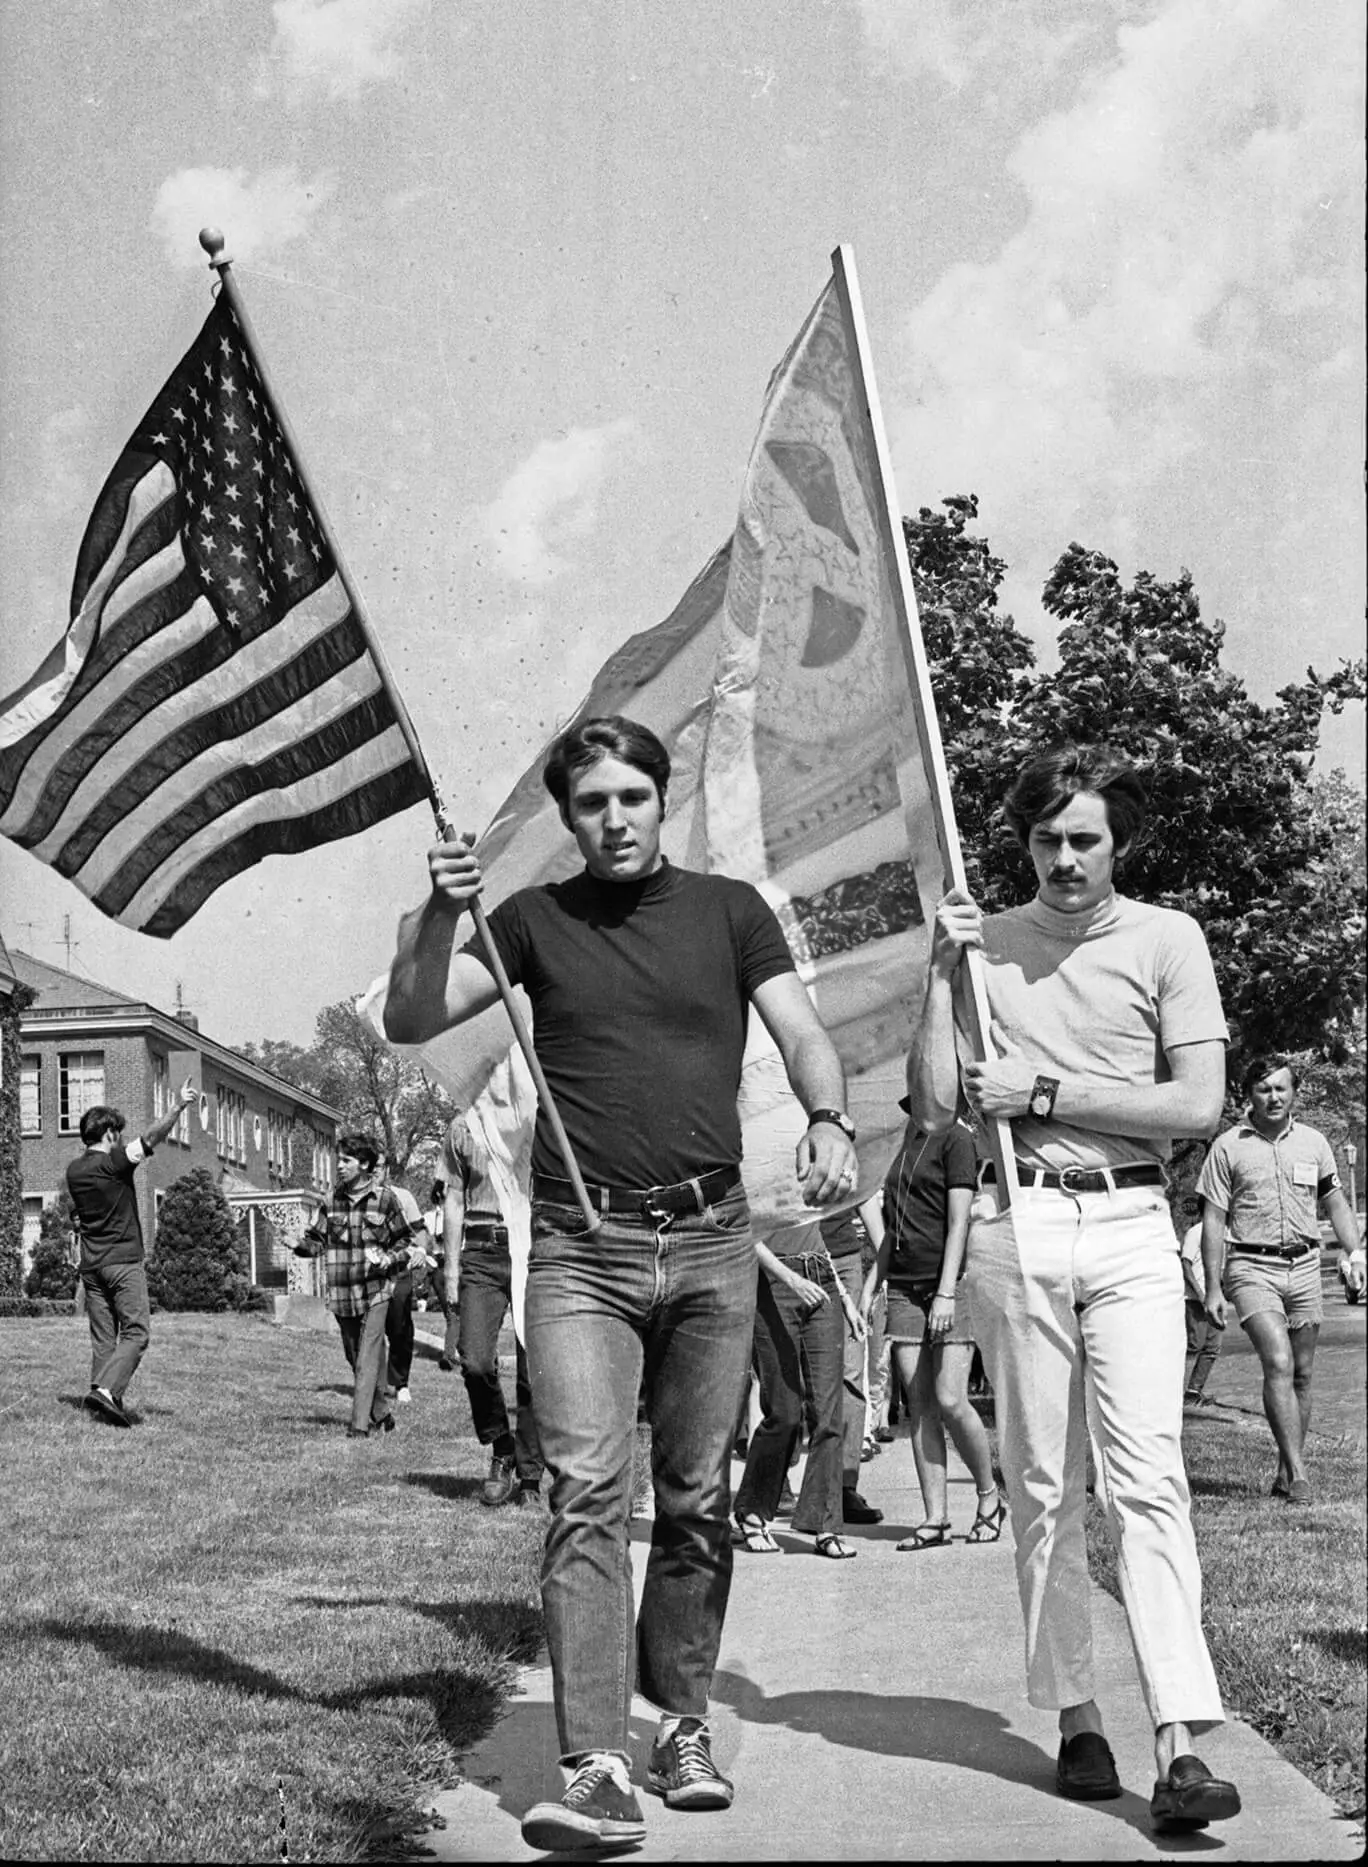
598, 1810
682, 1770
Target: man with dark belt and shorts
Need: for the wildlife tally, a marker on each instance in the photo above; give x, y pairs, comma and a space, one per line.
1264, 1183
641, 976
1109, 1040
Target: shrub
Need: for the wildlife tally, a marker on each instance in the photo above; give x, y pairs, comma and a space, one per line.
36, 1306
200, 1258
53, 1272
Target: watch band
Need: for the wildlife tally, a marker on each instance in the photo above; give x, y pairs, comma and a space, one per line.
838, 1120
1042, 1098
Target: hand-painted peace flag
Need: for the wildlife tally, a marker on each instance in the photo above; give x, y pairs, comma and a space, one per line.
790, 688
213, 700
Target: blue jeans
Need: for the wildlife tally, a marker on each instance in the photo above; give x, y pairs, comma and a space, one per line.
673, 1302
120, 1320
797, 1350
485, 1292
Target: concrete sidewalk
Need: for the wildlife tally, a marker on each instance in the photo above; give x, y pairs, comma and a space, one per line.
876, 1710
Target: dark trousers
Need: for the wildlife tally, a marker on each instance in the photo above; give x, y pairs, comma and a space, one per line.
1203, 1346
363, 1343
797, 1352
399, 1332
484, 1295
120, 1320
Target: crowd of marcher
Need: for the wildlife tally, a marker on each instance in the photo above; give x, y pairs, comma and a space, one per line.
1093, 1322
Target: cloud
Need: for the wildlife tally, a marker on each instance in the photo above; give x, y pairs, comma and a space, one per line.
550, 501
257, 217
335, 48
958, 42
1197, 187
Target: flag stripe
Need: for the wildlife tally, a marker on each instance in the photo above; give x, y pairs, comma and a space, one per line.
80, 647
395, 789
271, 822
157, 818
233, 698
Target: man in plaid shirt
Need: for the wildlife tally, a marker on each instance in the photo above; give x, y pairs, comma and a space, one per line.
363, 1239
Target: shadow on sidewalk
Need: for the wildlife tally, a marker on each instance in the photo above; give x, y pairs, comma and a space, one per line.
935, 1730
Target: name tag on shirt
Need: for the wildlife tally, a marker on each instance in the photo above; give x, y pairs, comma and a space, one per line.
1304, 1173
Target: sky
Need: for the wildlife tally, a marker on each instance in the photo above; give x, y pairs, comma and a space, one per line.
520, 270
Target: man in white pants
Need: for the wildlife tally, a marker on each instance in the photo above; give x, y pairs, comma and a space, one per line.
1110, 1040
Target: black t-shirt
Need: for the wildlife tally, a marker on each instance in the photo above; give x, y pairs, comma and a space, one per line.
101, 1188
914, 1202
640, 994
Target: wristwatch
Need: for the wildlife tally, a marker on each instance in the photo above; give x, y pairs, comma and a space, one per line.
843, 1122
1043, 1092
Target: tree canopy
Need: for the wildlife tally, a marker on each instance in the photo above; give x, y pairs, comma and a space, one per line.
1242, 834
378, 1091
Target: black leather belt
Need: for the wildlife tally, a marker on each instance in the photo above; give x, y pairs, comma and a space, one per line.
1082, 1179
1290, 1252
483, 1232
684, 1196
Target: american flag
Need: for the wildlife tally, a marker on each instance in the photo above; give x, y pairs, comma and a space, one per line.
214, 700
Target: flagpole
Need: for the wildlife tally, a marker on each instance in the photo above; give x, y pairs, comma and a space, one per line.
919, 680
211, 239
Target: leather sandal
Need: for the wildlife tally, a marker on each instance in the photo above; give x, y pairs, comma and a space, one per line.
927, 1536
753, 1533
987, 1525
835, 1546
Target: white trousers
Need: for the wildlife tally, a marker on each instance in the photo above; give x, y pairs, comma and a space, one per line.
1077, 1301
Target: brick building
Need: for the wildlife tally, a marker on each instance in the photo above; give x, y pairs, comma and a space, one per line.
270, 1145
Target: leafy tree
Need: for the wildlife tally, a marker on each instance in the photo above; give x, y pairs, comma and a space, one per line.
53, 1272
378, 1091
200, 1259
1240, 835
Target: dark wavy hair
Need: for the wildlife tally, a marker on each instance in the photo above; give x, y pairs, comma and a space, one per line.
360, 1147
1050, 782
99, 1121
1263, 1063
612, 736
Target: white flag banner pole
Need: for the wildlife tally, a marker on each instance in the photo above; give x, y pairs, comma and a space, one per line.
919, 680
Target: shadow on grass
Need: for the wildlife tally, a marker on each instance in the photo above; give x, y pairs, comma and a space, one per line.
445, 1484
333, 1387
464, 1701
1349, 1644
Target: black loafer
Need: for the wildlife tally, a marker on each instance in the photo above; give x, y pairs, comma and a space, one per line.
1190, 1797
1086, 1770
854, 1509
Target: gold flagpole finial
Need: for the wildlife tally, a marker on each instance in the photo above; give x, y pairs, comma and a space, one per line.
211, 239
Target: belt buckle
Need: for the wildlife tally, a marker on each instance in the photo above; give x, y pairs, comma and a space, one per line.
651, 1208
1068, 1174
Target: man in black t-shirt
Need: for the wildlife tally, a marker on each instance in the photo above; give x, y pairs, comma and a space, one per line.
100, 1182
641, 976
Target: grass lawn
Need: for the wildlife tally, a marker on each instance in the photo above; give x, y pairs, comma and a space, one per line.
234, 1613
1284, 1595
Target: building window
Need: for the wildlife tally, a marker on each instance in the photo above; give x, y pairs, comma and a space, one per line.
31, 1095
80, 1086
161, 1087
322, 1161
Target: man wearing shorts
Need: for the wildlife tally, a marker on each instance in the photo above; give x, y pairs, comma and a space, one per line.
1264, 1182
641, 977
1109, 1040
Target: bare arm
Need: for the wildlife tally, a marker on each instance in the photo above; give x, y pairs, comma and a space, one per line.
1213, 1259
1190, 1104
808, 1293
933, 1077
1336, 1209
453, 1225
872, 1214
826, 1159
157, 1133
432, 985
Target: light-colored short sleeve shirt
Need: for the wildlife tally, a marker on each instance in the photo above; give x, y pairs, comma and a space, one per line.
1104, 998
1269, 1190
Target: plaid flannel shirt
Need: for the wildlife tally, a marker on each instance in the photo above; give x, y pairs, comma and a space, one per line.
362, 1217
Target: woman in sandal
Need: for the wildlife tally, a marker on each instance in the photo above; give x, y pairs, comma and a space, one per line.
800, 1329
920, 1228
